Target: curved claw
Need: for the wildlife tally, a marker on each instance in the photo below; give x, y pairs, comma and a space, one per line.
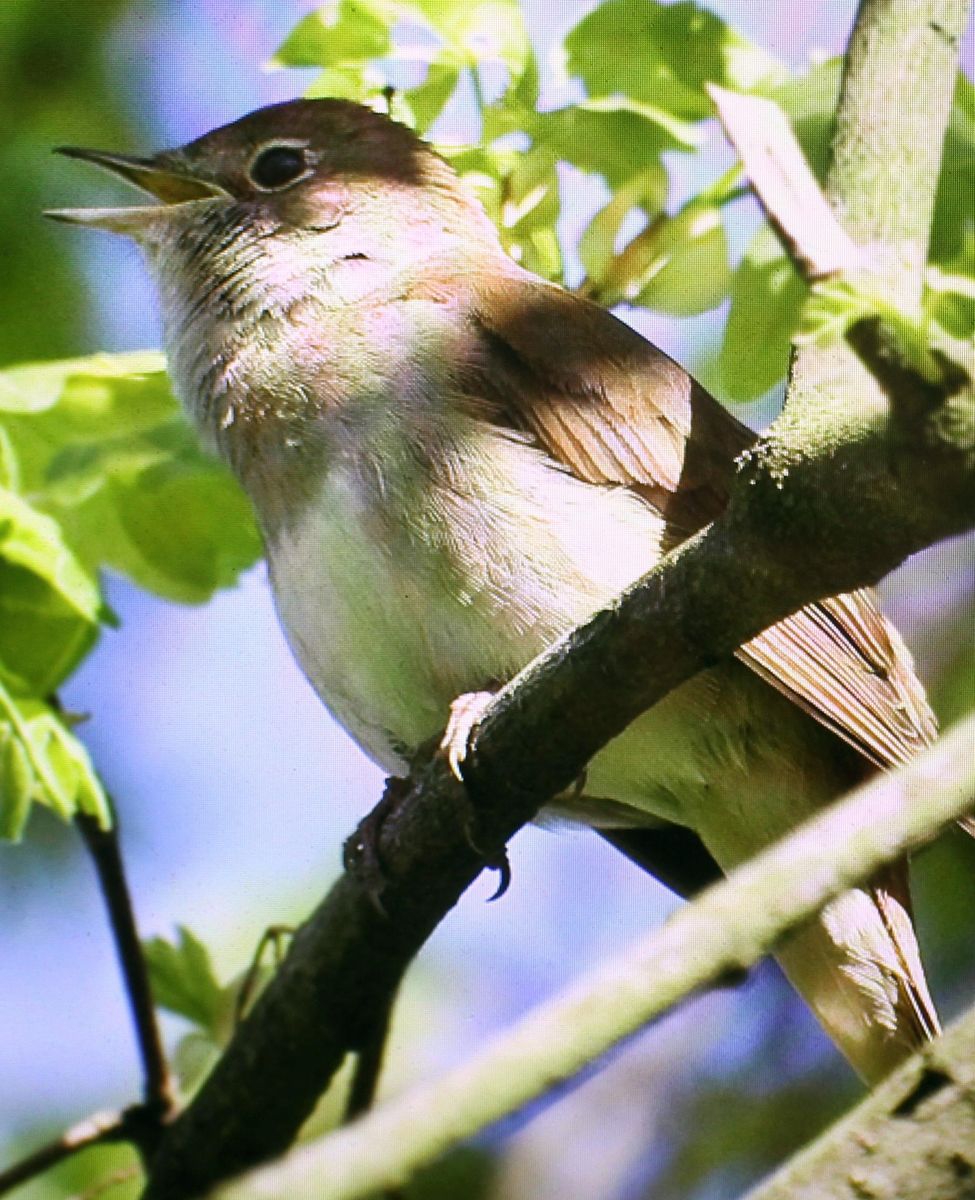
502, 865
465, 713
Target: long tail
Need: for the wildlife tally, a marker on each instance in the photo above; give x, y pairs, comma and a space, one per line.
858, 967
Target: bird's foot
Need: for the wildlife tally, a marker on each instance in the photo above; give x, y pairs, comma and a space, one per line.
465, 715
457, 742
360, 854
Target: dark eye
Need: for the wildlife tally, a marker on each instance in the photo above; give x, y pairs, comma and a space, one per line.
277, 166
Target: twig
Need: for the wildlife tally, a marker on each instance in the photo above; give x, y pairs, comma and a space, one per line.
784, 183
103, 846
729, 927
93, 1131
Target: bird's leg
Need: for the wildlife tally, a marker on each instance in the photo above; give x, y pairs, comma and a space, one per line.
360, 854
457, 743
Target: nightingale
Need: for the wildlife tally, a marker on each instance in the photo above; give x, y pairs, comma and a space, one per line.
453, 462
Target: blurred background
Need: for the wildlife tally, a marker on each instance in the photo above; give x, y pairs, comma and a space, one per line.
236, 791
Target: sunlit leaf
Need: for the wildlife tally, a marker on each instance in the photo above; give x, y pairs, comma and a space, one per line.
426, 101
337, 34
766, 300
50, 605
42, 761
109, 454
617, 143
954, 209
481, 30
663, 55
950, 294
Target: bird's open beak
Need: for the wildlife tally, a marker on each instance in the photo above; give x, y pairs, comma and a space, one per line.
166, 181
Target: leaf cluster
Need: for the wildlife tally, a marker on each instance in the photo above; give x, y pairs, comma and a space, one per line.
97, 469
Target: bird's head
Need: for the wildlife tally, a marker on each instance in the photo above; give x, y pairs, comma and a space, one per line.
272, 200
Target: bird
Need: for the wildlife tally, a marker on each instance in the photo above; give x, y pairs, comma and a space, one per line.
453, 462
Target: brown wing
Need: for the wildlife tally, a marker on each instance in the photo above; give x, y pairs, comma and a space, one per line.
613, 409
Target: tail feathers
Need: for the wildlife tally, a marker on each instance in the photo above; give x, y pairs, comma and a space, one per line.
858, 967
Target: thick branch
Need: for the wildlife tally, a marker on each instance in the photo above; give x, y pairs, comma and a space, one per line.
787, 539
913, 1137
726, 929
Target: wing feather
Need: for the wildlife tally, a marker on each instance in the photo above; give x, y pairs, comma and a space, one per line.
613, 409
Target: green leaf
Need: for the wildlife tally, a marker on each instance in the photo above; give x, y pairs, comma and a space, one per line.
50, 606
954, 209
481, 31
184, 982
35, 387
337, 34
426, 101
104, 448
42, 761
529, 211
766, 292
950, 295
810, 104
676, 264
687, 271
766, 300
617, 143
663, 55
9, 466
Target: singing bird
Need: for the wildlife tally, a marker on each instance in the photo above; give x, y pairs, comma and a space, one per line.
453, 462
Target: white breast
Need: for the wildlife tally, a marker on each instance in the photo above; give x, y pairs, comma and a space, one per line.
398, 595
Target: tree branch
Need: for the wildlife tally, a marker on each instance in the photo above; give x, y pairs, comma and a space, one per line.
103, 846
95, 1130
785, 540
727, 928
913, 1137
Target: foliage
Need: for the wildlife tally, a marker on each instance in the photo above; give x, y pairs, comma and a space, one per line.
97, 468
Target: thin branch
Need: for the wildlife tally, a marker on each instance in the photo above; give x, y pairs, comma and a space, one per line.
784, 184
103, 846
727, 928
93, 1131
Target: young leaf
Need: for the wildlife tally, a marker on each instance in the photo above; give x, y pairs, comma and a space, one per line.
663, 55
335, 35
41, 760
50, 605
184, 982
766, 299
103, 447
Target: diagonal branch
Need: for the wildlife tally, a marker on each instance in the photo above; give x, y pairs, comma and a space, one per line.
96, 1130
727, 928
913, 1138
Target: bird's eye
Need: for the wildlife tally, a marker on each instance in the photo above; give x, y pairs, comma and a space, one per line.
277, 166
